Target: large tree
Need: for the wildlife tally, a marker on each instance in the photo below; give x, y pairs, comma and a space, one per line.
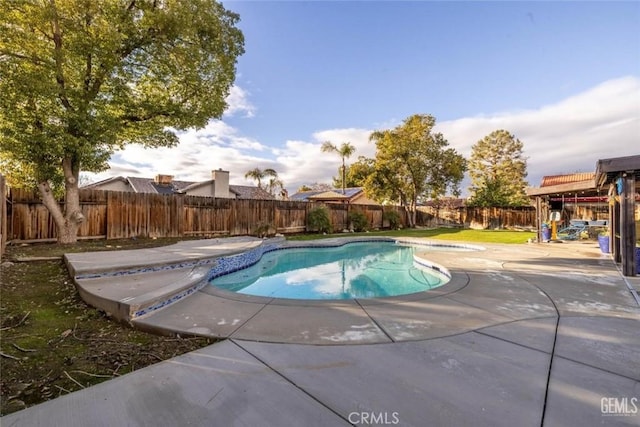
344, 151
498, 170
80, 79
412, 163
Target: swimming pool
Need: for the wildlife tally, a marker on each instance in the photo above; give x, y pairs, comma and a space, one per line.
353, 270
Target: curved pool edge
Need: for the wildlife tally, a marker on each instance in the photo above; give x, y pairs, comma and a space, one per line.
252, 257
447, 310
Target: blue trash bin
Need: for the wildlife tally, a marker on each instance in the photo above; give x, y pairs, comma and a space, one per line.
603, 242
546, 233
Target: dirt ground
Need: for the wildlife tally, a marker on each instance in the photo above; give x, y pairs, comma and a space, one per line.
52, 343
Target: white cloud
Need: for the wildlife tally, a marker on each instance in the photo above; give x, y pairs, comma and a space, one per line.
238, 102
567, 136
564, 137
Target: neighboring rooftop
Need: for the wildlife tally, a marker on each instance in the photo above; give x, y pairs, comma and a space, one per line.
165, 184
336, 195
550, 180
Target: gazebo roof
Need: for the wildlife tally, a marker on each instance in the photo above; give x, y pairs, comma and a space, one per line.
608, 169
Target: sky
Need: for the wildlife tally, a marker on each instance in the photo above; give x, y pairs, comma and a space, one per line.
563, 77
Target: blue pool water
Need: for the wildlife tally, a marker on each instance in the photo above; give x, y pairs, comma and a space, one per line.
354, 270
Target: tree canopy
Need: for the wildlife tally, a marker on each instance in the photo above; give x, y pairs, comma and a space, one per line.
412, 163
498, 170
80, 79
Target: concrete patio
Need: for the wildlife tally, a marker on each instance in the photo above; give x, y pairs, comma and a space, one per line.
524, 335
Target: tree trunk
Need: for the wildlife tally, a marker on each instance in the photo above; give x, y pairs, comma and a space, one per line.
67, 221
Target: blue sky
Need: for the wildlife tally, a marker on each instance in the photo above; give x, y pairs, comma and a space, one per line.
564, 77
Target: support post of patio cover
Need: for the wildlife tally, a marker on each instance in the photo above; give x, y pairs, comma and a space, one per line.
539, 219
627, 225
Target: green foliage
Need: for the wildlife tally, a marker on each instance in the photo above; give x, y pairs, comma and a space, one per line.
412, 162
493, 193
498, 169
263, 229
357, 174
260, 174
358, 221
318, 220
393, 217
81, 79
344, 151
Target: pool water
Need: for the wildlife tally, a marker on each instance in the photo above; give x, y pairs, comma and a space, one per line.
354, 270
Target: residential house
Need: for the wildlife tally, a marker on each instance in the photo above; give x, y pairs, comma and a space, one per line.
218, 186
353, 196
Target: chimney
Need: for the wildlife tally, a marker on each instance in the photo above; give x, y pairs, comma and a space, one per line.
221, 184
163, 179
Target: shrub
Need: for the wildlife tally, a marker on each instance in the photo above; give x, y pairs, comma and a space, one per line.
318, 220
262, 230
358, 221
393, 217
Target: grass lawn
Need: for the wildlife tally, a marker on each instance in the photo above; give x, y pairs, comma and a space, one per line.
467, 235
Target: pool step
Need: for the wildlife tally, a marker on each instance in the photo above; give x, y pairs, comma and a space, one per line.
129, 296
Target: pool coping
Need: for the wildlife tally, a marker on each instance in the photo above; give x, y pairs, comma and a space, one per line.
195, 273
199, 309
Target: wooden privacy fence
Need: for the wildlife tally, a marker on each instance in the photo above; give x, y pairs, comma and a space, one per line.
118, 215
478, 218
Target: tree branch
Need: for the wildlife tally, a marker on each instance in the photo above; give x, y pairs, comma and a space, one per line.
59, 58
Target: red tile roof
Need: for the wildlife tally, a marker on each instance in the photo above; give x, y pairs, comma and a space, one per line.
550, 180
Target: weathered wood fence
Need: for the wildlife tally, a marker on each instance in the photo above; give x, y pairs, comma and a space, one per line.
477, 218
118, 215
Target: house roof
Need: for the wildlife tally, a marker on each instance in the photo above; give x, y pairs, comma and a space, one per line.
328, 195
249, 192
349, 193
550, 180
196, 185
148, 185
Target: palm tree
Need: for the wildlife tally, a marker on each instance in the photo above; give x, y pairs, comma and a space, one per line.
259, 174
275, 183
344, 151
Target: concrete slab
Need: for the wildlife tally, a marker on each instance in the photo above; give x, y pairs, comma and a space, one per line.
469, 379
579, 396
505, 294
122, 296
479, 354
82, 263
534, 333
328, 324
431, 318
220, 385
200, 314
611, 344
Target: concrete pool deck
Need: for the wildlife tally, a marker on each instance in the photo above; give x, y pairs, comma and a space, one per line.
523, 335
